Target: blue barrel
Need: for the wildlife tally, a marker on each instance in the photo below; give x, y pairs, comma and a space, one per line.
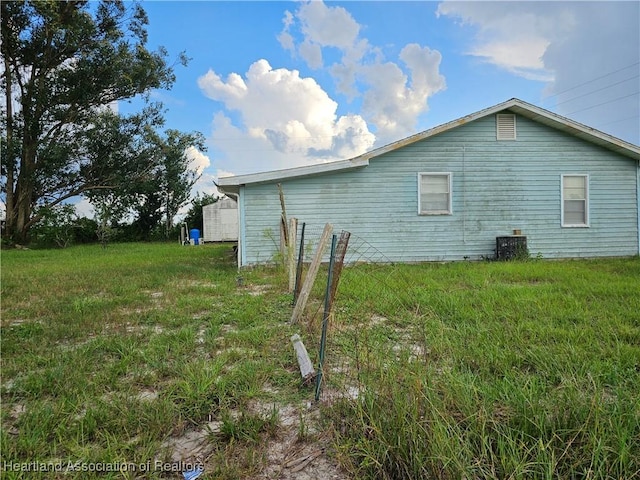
194, 234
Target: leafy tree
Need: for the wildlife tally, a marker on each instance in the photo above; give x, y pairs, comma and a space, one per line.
56, 226
154, 199
193, 218
177, 176
105, 208
64, 64
85, 230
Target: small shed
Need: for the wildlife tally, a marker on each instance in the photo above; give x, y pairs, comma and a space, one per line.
220, 221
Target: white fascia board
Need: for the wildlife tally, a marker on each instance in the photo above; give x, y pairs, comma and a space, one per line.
574, 128
285, 174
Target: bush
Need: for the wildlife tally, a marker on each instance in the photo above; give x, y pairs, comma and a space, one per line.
85, 230
55, 227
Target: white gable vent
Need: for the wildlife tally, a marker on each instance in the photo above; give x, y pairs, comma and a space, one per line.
506, 126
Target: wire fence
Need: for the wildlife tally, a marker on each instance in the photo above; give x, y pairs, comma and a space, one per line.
371, 317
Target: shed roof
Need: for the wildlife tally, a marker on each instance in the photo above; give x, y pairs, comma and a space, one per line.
231, 184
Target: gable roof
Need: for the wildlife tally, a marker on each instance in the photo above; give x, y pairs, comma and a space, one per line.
231, 184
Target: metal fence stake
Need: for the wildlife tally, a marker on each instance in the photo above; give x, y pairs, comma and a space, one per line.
325, 319
296, 289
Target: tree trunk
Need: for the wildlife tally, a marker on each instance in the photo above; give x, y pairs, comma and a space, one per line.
10, 159
22, 213
23, 196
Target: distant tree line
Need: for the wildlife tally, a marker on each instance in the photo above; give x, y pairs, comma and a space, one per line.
65, 64
61, 226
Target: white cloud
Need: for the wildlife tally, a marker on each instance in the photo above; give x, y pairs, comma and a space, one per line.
206, 184
198, 161
597, 70
275, 118
513, 36
394, 94
285, 38
522, 56
114, 106
328, 26
312, 53
225, 173
84, 208
588, 51
288, 119
395, 99
215, 88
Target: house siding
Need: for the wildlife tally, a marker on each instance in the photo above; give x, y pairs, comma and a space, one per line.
497, 186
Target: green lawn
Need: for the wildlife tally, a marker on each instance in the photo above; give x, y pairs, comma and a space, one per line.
491, 370
467, 370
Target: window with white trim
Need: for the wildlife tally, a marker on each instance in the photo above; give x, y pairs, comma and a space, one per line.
434, 193
575, 200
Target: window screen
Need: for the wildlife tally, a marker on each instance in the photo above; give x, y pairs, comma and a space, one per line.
435, 193
575, 200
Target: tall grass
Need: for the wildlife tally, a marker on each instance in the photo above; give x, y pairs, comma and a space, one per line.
106, 354
524, 370
468, 370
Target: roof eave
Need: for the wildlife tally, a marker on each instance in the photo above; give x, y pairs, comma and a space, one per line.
576, 129
232, 184
532, 112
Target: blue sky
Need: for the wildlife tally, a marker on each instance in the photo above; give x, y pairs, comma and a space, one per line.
282, 84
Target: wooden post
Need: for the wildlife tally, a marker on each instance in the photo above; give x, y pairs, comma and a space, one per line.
283, 215
311, 274
304, 362
291, 252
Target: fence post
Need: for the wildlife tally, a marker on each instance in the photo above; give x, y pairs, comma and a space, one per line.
283, 214
341, 251
325, 317
296, 290
291, 252
311, 274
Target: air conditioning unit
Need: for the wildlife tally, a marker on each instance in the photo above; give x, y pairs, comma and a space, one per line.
511, 247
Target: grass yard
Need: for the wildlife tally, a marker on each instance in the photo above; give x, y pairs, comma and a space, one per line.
151, 358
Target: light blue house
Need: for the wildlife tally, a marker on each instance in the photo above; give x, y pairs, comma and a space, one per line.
447, 193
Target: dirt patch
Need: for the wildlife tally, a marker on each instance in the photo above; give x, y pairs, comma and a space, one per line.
137, 311
415, 351
147, 395
297, 451
195, 284
69, 345
193, 446
238, 352
256, 290
200, 335
226, 328
14, 415
287, 459
15, 322
135, 328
